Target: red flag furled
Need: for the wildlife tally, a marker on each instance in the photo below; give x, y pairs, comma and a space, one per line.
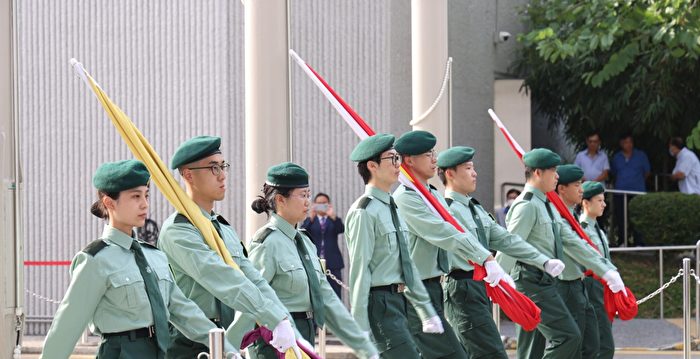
514, 304
622, 303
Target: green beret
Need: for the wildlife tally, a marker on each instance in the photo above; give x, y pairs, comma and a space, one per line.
414, 143
592, 188
569, 173
454, 156
195, 149
114, 177
287, 174
372, 147
541, 158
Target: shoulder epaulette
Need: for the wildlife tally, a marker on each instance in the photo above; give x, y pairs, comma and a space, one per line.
180, 218
364, 202
409, 188
263, 235
432, 187
528, 196
95, 246
222, 220
449, 201
584, 225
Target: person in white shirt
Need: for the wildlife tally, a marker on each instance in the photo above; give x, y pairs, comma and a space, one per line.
687, 170
592, 160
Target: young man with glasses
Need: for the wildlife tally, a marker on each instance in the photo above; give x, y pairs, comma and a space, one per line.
466, 304
382, 276
431, 238
217, 288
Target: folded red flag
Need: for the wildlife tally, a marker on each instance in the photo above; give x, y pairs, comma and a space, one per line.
266, 335
518, 307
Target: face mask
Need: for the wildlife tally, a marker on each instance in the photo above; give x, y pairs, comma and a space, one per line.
509, 202
321, 207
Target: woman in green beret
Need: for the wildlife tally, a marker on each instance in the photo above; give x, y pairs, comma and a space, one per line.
120, 286
593, 205
287, 259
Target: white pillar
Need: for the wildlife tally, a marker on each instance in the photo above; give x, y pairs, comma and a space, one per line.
10, 246
267, 128
429, 57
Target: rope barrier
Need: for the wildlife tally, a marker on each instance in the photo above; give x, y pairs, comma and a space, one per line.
443, 87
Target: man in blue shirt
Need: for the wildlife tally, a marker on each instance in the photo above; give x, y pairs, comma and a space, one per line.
630, 167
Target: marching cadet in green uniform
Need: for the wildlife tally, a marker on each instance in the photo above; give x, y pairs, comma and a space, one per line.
287, 259
430, 240
534, 219
467, 307
593, 205
121, 286
382, 274
571, 287
217, 288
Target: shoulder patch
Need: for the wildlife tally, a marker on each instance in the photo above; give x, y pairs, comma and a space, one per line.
180, 218
263, 235
528, 196
95, 246
222, 220
364, 202
449, 201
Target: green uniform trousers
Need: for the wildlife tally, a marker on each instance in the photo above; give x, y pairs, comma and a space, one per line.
386, 311
560, 331
595, 296
432, 346
125, 347
468, 310
306, 328
183, 348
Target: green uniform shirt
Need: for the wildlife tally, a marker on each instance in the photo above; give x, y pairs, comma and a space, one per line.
573, 270
374, 251
204, 276
278, 260
497, 237
530, 220
589, 224
428, 233
107, 292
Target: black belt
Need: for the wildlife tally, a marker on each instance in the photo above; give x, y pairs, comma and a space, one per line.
148, 332
461, 274
437, 279
529, 268
302, 315
394, 288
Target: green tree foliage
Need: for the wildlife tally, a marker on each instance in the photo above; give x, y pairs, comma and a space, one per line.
615, 66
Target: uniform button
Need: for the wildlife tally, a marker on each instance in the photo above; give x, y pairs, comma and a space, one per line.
127, 279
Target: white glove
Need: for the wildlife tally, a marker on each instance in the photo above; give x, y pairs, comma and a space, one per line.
494, 273
508, 279
283, 336
233, 355
554, 267
614, 281
433, 325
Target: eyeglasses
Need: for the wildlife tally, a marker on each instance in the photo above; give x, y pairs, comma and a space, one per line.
395, 159
432, 154
306, 195
215, 169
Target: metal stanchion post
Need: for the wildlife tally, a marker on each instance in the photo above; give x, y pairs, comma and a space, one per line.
697, 290
624, 211
322, 330
686, 308
216, 345
661, 282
